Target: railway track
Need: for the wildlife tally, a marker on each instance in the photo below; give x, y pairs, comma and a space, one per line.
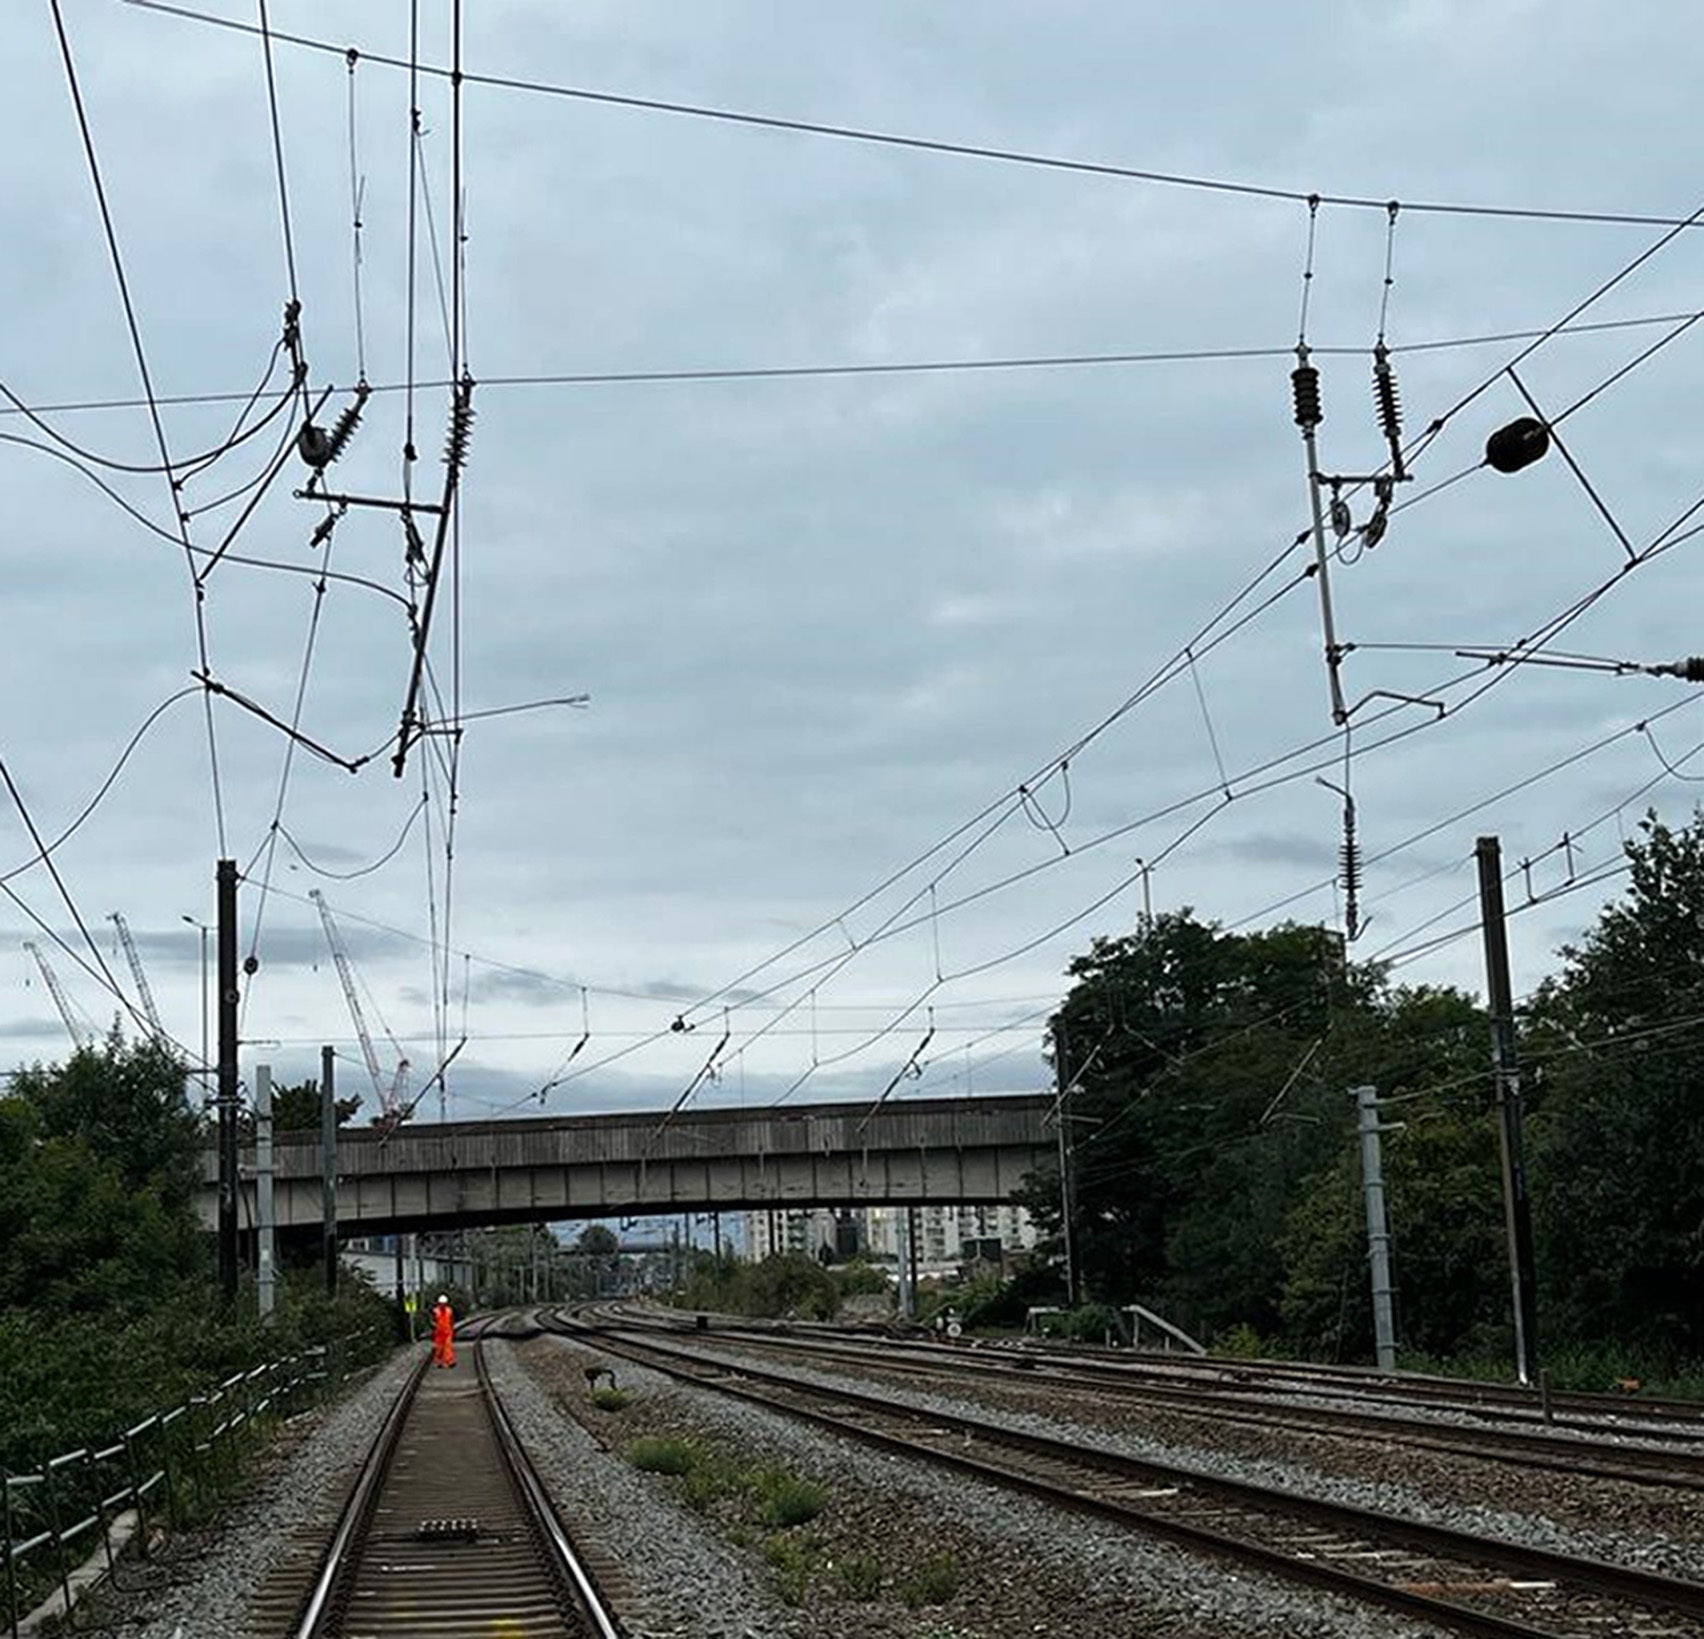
1672, 1421
1677, 1461
1461, 1582
447, 1531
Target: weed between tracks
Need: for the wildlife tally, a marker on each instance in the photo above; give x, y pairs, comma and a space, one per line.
821, 1548
763, 1506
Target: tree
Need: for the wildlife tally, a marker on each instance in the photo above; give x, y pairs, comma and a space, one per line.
1617, 1131
1197, 1102
1215, 1166
297, 1108
98, 1167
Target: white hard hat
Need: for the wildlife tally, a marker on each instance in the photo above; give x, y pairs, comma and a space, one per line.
442, 1298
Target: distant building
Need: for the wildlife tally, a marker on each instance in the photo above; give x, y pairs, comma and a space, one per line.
947, 1236
429, 1263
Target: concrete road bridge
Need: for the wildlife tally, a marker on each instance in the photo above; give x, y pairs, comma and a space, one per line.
549, 1168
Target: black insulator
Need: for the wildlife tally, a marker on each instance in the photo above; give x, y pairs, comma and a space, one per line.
461, 426
1304, 381
1349, 859
1691, 669
1517, 445
1388, 400
1373, 530
313, 444
1342, 519
345, 426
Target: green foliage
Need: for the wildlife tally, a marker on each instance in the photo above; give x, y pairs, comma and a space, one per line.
1240, 1343
98, 1161
611, 1399
996, 1305
297, 1108
859, 1577
1216, 1169
784, 1500
656, 1455
1091, 1323
792, 1559
1617, 1117
782, 1286
713, 1478
109, 1311
934, 1582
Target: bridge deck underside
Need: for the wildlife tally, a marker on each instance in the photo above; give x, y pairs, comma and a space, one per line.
462, 1175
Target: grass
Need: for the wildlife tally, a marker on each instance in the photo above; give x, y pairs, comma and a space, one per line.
792, 1559
767, 1505
611, 1399
860, 1577
934, 1582
784, 1500
661, 1456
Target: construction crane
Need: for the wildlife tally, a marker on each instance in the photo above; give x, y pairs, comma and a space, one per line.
389, 1096
135, 961
80, 1037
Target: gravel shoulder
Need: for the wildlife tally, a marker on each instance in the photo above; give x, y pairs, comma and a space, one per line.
1021, 1568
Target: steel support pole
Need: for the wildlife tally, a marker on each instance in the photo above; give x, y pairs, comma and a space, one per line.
328, 1166
1067, 1205
1378, 1229
266, 1248
225, 882
1517, 1208
907, 1266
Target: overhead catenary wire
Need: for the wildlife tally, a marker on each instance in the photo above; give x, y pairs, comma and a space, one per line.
357, 188
46, 852
966, 150
133, 326
905, 367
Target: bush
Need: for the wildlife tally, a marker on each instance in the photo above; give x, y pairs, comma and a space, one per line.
1092, 1323
659, 1456
607, 1399
1241, 1342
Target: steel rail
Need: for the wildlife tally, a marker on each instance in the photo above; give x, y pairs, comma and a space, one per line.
540, 1510
357, 1511
1633, 1464
1639, 1587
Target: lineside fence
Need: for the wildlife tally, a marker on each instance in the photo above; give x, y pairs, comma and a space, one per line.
172, 1469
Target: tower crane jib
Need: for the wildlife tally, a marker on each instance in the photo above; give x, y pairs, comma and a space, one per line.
79, 1036
388, 1096
135, 960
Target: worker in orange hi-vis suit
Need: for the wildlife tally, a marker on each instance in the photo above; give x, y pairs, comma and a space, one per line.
443, 1333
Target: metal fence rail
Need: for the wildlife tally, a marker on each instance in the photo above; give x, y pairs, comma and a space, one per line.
172, 1466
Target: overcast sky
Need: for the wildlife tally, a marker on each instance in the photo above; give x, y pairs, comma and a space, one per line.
827, 623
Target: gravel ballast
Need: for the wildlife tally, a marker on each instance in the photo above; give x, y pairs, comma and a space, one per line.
1025, 1568
1388, 1479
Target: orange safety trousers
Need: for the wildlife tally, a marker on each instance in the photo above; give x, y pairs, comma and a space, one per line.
443, 1336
